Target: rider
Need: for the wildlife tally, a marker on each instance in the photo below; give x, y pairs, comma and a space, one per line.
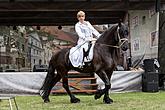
85, 31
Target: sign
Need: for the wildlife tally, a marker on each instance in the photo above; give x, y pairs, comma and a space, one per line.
154, 39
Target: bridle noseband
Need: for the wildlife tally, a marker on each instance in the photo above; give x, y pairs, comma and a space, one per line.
119, 37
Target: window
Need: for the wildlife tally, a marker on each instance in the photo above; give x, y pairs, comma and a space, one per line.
32, 43
29, 50
18, 45
151, 12
23, 47
36, 43
34, 51
143, 19
34, 61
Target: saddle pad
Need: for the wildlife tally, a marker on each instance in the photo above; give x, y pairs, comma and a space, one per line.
76, 55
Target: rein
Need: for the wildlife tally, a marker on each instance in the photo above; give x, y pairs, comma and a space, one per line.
124, 40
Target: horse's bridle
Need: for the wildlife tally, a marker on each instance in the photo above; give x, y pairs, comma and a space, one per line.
119, 37
121, 41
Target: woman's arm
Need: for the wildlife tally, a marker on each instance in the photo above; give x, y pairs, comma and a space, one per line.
79, 32
94, 31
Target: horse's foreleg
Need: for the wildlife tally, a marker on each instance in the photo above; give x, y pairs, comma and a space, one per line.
106, 98
105, 79
73, 99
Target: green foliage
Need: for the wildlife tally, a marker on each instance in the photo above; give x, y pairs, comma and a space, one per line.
122, 101
50, 37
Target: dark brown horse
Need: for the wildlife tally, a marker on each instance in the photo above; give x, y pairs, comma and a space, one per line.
106, 55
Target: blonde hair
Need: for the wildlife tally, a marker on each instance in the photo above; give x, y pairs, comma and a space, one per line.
80, 13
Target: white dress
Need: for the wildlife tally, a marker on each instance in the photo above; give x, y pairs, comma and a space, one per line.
85, 32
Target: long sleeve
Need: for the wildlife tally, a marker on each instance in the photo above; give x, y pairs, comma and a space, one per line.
94, 31
79, 32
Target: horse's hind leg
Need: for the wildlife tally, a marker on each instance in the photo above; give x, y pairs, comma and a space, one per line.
50, 80
73, 99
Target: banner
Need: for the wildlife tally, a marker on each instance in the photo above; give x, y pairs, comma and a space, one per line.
31, 82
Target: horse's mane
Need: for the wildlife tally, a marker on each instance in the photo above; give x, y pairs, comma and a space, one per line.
107, 37
110, 29
107, 32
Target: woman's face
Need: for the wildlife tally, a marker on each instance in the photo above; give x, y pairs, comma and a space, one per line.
81, 18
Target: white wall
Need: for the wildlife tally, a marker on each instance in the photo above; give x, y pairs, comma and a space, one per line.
142, 33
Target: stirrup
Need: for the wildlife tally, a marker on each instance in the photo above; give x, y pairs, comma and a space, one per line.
80, 67
86, 59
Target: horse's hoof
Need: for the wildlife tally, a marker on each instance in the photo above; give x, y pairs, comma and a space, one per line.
108, 101
98, 94
75, 100
46, 100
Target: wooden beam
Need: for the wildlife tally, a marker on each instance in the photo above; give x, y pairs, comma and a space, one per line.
52, 13
73, 6
57, 17
48, 21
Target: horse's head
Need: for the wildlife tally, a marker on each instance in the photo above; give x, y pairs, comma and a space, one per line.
122, 36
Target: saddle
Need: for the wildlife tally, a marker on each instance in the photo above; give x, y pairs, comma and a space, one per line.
81, 57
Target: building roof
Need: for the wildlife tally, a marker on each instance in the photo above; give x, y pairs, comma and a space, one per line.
60, 34
66, 36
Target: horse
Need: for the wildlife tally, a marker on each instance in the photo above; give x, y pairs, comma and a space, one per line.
105, 59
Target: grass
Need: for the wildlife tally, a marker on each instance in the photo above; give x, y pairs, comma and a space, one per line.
122, 101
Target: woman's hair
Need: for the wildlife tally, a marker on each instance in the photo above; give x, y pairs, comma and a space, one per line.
80, 13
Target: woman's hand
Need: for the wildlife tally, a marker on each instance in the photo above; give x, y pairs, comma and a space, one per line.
91, 39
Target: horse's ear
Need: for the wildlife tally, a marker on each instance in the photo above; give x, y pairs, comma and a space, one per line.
120, 21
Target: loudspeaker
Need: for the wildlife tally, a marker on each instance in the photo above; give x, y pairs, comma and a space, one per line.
149, 65
150, 87
150, 77
150, 82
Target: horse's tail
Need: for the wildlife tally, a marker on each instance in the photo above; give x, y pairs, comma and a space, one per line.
48, 82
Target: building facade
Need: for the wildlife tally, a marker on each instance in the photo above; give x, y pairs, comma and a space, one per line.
143, 33
13, 49
35, 50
